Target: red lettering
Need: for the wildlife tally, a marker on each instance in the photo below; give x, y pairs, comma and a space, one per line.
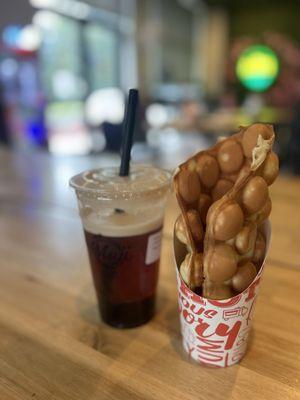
197, 309
212, 357
210, 313
223, 330
188, 317
184, 302
201, 328
198, 299
226, 360
184, 290
211, 345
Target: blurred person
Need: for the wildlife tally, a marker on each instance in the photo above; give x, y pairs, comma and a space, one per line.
4, 136
113, 136
113, 131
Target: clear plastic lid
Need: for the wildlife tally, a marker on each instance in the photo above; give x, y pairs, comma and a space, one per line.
144, 180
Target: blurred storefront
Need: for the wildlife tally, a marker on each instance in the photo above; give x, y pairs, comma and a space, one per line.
82, 49
203, 68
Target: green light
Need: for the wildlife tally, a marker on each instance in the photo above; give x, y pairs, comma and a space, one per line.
257, 68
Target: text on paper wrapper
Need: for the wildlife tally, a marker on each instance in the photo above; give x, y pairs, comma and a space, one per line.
216, 332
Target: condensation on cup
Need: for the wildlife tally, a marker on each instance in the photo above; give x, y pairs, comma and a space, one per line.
122, 218
216, 332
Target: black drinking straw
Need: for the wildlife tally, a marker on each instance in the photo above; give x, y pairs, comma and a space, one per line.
128, 130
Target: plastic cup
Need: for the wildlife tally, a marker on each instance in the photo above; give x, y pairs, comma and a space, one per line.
122, 218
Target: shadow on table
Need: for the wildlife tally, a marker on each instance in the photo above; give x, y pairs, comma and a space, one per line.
167, 362
96, 334
187, 373
168, 318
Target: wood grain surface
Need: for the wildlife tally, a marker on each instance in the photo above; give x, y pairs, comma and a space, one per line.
53, 344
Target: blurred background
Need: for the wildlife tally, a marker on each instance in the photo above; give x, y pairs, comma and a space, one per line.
203, 68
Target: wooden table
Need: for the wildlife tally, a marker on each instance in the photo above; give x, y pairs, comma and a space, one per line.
52, 342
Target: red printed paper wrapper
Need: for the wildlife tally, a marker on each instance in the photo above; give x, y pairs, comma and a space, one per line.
216, 332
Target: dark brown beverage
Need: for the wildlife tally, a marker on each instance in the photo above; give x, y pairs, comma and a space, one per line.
125, 272
122, 217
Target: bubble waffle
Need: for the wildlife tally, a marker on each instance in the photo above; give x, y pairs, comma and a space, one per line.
224, 198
